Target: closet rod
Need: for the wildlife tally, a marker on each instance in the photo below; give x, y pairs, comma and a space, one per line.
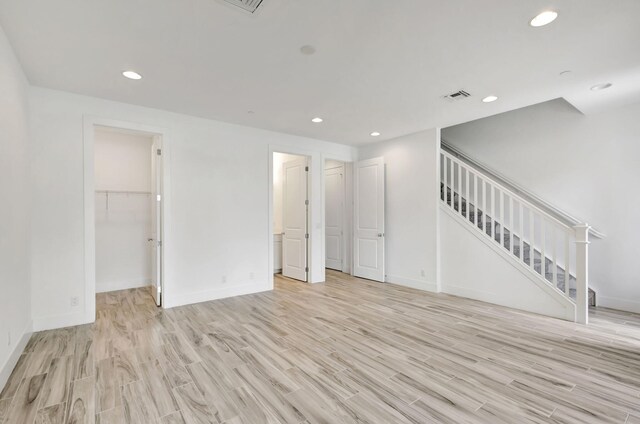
108, 192
121, 192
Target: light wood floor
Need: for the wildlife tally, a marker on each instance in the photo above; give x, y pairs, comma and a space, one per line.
347, 351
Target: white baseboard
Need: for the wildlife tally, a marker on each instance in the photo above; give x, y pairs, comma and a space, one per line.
12, 360
412, 283
617, 303
220, 293
121, 285
59, 321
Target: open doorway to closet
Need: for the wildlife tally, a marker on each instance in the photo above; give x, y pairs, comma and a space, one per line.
291, 215
128, 218
338, 214
354, 217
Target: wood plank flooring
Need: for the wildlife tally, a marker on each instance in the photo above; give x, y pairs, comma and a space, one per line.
346, 351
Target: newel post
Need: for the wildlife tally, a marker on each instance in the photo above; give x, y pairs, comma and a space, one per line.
582, 273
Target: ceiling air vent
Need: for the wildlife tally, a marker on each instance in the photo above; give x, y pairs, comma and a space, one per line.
247, 5
458, 95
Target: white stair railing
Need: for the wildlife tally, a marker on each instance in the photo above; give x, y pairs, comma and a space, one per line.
555, 252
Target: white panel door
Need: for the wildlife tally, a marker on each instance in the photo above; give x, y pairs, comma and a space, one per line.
333, 216
294, 219
155, 239
368, 247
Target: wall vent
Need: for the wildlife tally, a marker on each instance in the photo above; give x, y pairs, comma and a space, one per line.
247, 5
458, 95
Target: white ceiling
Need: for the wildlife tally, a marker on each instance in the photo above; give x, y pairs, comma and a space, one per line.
380, 65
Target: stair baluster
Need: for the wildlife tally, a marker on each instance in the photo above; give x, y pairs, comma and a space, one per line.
582, 273
480, 201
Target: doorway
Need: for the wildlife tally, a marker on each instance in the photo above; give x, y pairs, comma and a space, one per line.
337, 231
354, 221
127, 184
291, 215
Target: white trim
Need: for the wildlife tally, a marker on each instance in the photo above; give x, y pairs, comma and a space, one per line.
618, 303
89, 124
436, 182
536, 278
122, 285
412, 283
209, 295
14, 356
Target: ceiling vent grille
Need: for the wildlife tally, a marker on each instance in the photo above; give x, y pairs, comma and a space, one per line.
247, 5
458, 95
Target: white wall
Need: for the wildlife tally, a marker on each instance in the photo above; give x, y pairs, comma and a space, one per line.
123, 221
278, 160
122, 160
15, 311
586, 165
217, 192
412, 199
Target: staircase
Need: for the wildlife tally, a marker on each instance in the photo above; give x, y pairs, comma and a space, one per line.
502, 235
553, 251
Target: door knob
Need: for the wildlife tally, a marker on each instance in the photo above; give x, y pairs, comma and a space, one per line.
380, 234
150, 239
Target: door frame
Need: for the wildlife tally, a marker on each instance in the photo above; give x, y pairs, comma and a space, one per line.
156, 212
309, 156
89, 125
316, 194
346, 229
347, 240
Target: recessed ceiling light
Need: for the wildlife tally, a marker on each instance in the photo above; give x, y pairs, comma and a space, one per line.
316, 120
490, 99
375, 134
601, 86
544, 18
132, 75
307, 50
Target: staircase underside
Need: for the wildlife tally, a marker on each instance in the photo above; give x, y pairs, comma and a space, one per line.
502, 235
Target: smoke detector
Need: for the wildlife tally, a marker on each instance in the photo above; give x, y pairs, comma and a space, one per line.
247, 5
458, 95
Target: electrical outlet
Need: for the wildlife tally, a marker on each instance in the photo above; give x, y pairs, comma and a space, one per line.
251, 275
422, 274
75, 301
224, 279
